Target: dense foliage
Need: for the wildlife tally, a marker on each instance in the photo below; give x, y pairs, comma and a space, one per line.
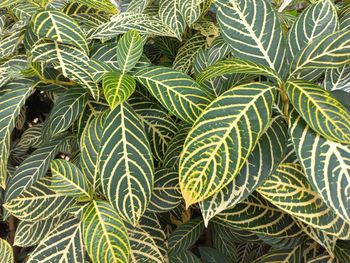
176, 131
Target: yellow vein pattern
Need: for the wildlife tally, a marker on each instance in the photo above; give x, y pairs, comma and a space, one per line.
170, 14
138, 6
90, 144
253, 30
257, 215
123, 22
222, 138
69, 180
9, 44
323, 259
326, 165
39, 202
166, 191
235, 65
191, 10
71, 61
103, 5
129, 50
319, 19
325, 115
12, 98
31, 233
288, 189
64, 244
105, 236
176, 91
6, 253
57, 26
288, 255
185, 235
263, 160
126, 165
331, 51
117, 87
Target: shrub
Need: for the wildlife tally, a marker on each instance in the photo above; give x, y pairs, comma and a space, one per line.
175, 131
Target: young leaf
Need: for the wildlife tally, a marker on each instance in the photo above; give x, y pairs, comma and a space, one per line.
126, 166
214, 154
105, 236
314, 104
129, 50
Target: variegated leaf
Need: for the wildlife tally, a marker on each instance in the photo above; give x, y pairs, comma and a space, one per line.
6, 253
337, 79
282, 255
170, 14
103, 5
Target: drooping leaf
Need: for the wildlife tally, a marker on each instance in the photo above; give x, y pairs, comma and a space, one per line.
214, 154
176, 91
105, 236
63, 244
314, 104
126, 166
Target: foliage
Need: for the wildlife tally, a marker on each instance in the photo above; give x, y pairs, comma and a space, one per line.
174, 131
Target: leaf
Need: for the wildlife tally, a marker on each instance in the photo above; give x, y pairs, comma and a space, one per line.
176, 91
314, 103
90, 147
224, 244
166, 193
170, 14
126, 166
185, 236
9, 44
65, 112
64, 243
73, 62
185, 256
123, 22
57, 26
129, 50
105, 236
12, 99
214, 154
317, 20
138, 6
185, 55
288, 189
38, 202
323, 259
6, 253
330, 51
69, 180
253, 31
342, 251
190, 10
337, 79
259, 216
282, 255
31, 233
234, 234
328, 172
212, 255
117, 88
234, 66
263, 160
103, 5
32, 169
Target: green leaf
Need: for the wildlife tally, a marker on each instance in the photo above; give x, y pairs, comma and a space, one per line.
253, 31
176, 91
224, 244
170, 14
185, 236
212, 255
90, 147
117, 87
342, 251
185, 256
57, 26
323, 259
214, 154
9, 44
123, 22
259, 216
320, 156
105, 236
190, 10
103, 5
129, 50
166, 193
31, 233
236, 235
38, 202
330, 51
283, 255
138, 6
263, 160
317, 20
31, 137
65, 112
288, 189
71, 61
69, 180
234, 66
314, 104
337, 79
6, 253
12, 68
12, 98
126, 166
63, 244
32, 169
